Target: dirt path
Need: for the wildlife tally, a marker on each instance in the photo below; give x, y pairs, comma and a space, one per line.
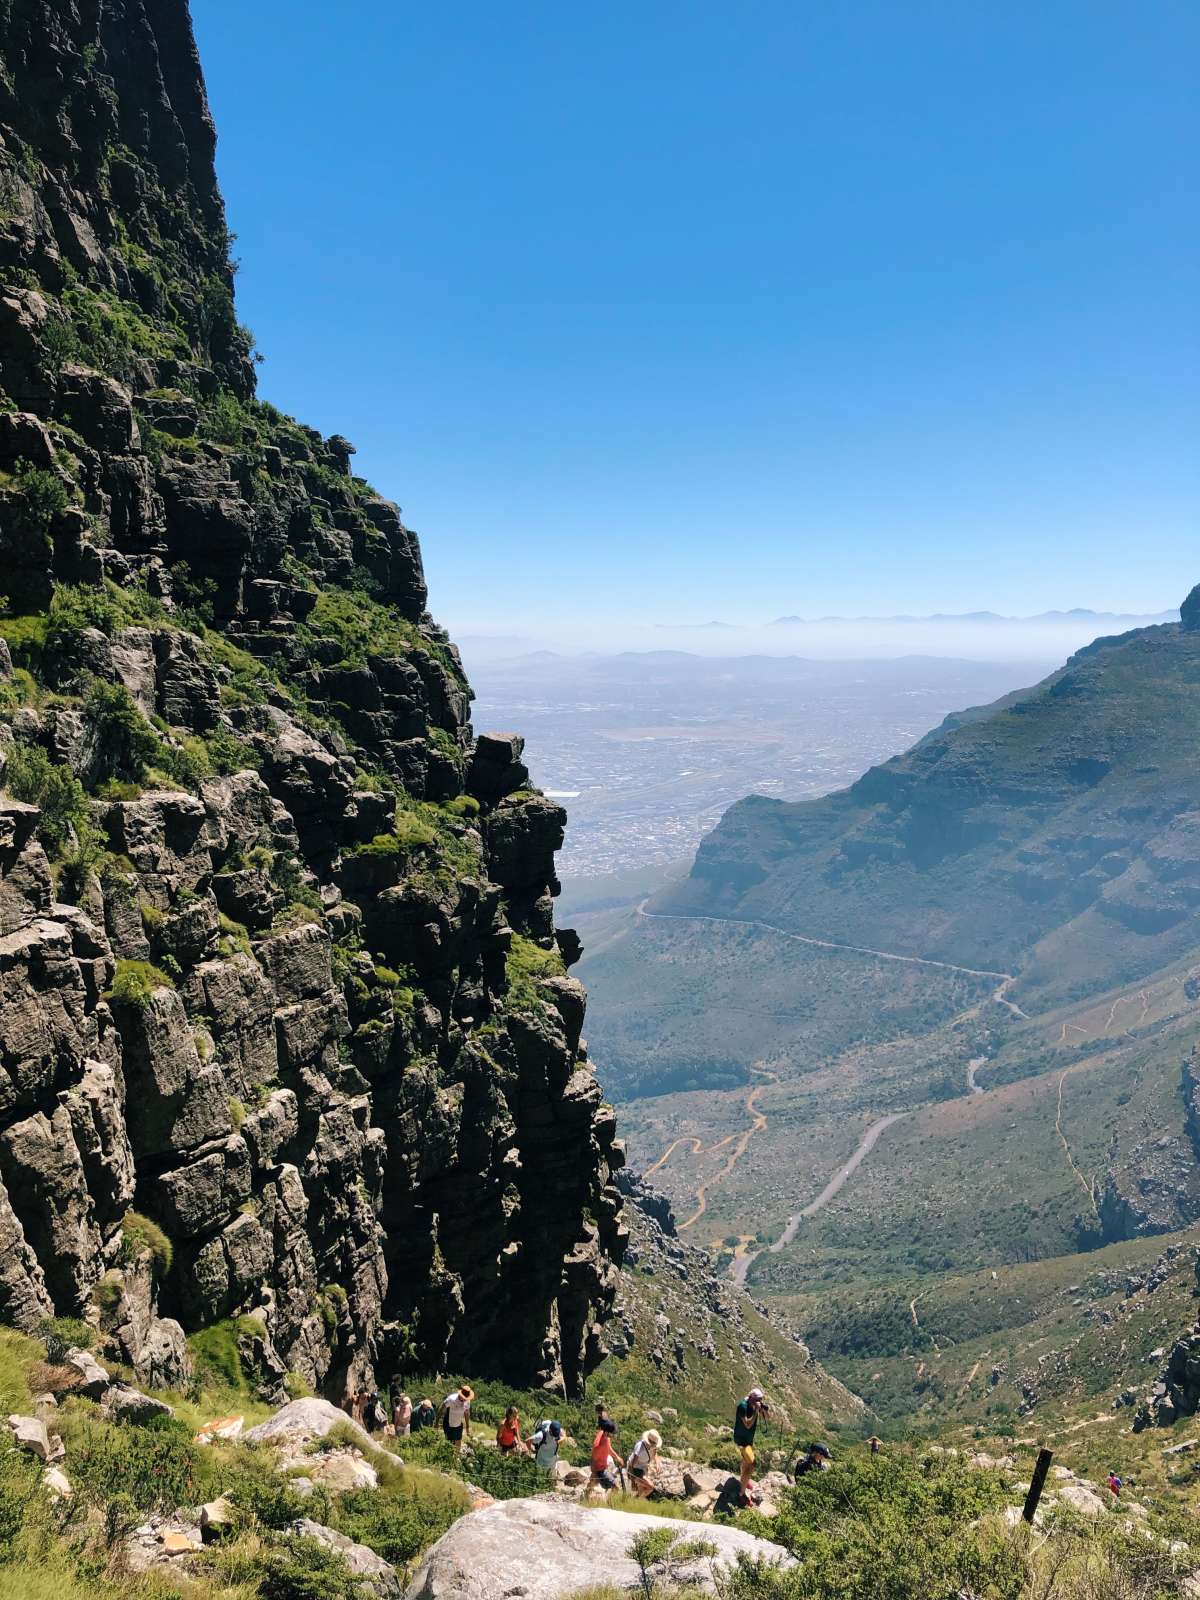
1062, 1139
742, 1262
999, 994
758, 1122
744, 1258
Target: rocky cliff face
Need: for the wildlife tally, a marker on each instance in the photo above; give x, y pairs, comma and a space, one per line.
286, 1033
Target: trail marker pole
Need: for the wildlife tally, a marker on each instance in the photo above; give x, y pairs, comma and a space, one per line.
1037, 1483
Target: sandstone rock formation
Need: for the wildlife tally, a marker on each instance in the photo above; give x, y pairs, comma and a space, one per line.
286, 1036
547, 1549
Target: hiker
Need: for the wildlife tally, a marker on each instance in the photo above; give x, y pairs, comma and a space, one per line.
402, 1414
641, 1460
424, 1416
456, 1414
375, 1414
815, 1459
545, 1440
606, 1464
359, 1407
873, 1444
508, 1434
745, 1423
1115, 1484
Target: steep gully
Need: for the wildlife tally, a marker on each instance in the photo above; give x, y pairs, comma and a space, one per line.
743, 1258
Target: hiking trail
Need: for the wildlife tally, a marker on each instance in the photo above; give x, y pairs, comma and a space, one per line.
742, 1263
1062, 1139
999, 994
758, 1122
743, 1257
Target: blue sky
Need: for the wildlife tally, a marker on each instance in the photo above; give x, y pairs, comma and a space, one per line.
668, 311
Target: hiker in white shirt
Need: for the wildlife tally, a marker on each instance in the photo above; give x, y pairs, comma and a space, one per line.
455, 1414
641, 1459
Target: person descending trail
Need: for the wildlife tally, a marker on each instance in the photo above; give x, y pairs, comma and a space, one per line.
424, 1416
508, 1434
873, 1444
815, 1459
546, 1439
402, 1415
606, 1463
1115, 1484
641, 1463
745, 1425
455, 1414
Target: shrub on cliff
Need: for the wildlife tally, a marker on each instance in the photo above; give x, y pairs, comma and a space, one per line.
134, 983
216, 1354
32, 777
525, 965
139, 1233
41, 496
128, 742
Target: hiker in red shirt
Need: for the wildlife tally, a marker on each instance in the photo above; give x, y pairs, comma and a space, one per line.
508, 1434
606, 1463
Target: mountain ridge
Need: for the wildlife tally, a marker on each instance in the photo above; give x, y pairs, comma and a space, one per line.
288, 1043
985, 808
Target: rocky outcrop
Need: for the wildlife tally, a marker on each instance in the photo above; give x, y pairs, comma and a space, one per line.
1175, 1393
548, 1549
278, 969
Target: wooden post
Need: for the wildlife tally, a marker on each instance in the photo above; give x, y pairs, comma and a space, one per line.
1037, 1483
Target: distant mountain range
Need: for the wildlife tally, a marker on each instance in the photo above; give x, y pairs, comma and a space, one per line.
1079, 614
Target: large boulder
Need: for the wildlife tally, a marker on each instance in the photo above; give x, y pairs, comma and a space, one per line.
549, 1549
301, 1421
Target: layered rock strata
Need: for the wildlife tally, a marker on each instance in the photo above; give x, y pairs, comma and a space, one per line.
287, 1038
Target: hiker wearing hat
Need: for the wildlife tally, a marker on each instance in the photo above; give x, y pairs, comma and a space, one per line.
606, 1464
641, 1459
815, 1459
455, 1414
745, 1423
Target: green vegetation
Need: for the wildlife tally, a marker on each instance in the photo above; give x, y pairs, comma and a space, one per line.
32, 777
362, 626
134, 983
112, 334
525, 965
60, 1334
463, 805
140, 1232
41, 496
215, 1351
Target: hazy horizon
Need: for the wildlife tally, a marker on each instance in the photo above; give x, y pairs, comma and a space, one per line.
1003, 639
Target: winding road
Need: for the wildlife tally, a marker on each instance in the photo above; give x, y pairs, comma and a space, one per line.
999, 994
743, 1259
741, 1264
